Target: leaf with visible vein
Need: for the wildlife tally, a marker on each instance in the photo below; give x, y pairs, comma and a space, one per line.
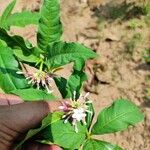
6, 14
26, 58
50, 119
9, 79
31, 94
74, 83
14, 41
22, 19
62, 53
64, 135
61, 84
119, 116
50, 27
99, 145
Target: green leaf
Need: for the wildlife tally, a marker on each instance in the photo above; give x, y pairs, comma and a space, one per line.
62, 53
50, 119
99, 145
22, 19
26, 58
146, 55
9, 79
75, 82
61, 84
6, 14
121, 114
50, 28
79, 64
15, 42
64, 135
33, 94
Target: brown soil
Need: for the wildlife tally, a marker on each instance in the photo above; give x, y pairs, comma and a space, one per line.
120, 71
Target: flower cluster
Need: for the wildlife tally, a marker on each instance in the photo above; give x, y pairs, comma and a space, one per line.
76, 110
40, 79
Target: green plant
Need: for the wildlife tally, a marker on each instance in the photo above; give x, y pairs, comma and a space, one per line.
132, 43
146, 7
148, 93
135, 23
147, 90
17, 19
121, 114
146, 55
142, 6
71, 127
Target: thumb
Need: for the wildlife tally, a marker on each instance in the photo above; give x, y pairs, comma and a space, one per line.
17, 119
24, 116
38, 146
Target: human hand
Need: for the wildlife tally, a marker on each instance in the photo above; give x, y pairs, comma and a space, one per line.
17, 117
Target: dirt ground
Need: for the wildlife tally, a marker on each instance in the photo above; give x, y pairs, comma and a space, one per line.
120, 71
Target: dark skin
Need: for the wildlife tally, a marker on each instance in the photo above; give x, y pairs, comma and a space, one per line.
17, 117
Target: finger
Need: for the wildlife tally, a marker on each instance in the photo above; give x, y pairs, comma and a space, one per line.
38, 146
24, 116
8, 99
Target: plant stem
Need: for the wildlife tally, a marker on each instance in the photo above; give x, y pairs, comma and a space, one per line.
41, 65
89, 136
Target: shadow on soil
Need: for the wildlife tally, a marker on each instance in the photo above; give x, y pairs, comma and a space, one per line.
143, 66
122, 11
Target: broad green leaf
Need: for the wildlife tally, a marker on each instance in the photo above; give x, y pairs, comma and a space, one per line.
30, 53
119, 116
50, 28
61, 84
15, 41
22, 19
75, 82
50, 119
33, 94
6, 14
64, 135
99, 145
79, 64
9, 79
90, 116
62, 53
26, 58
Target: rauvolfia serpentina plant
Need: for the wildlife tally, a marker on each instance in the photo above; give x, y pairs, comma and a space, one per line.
70, 128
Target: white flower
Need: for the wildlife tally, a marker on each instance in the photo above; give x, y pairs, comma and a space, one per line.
76, 110
40, 79
78, 114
